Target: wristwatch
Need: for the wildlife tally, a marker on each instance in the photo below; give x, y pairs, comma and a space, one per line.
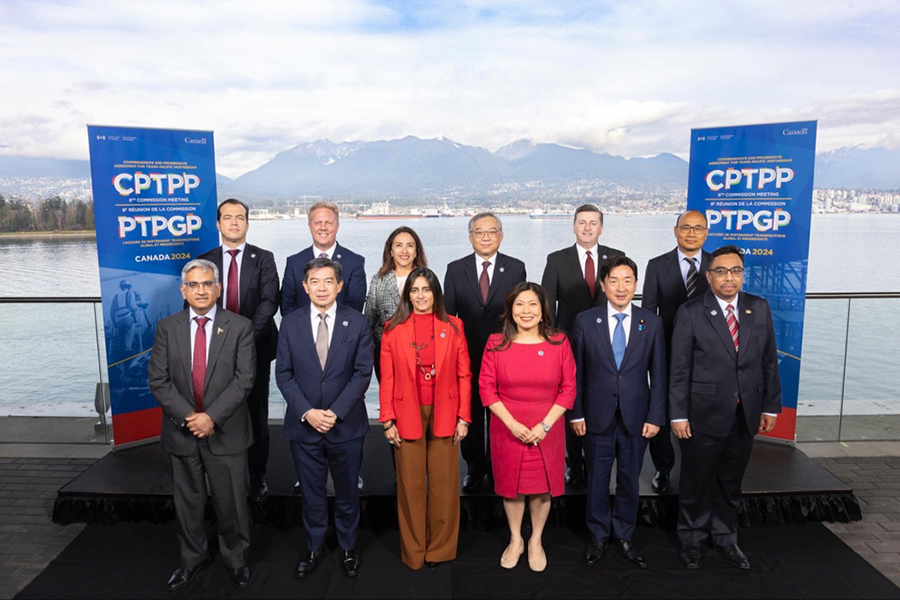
387, 425
463, 422
546, 427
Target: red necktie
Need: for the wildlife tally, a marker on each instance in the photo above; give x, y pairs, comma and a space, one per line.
732, 325
590, 274
484, 282
231, 294
198, 372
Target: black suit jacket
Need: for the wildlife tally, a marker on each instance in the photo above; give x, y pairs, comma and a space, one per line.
230, 372
567, 292
462, 297
258, 296
707, 376
664, 289
353, 267
602, 387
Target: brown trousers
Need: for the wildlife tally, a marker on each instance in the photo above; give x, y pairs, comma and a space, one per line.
427, 496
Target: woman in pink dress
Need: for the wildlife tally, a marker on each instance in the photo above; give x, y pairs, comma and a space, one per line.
528, 382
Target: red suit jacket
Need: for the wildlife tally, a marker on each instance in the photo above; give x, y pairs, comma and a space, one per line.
453, 379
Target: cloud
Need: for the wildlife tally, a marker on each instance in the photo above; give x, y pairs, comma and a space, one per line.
625, 78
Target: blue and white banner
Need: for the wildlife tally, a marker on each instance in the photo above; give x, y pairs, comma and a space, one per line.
755, 185
155, 209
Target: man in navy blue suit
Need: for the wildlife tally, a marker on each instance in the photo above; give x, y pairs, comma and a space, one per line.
617, 345
324, 223
323, 369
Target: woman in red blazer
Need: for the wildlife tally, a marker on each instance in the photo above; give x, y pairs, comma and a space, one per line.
425, 393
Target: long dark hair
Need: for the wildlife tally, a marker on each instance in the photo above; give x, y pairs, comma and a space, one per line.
405, 307
387, 261
509, 329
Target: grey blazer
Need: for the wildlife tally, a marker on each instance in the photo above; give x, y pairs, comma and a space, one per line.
382, 301
230, 371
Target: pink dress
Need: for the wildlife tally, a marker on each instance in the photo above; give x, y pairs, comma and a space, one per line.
529, 379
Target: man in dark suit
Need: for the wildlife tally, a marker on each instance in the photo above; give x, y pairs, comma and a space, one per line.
671, 280
200, 372
250, 289
723, 389
572, 285
324, 223
475, 289
617, 346
324, 365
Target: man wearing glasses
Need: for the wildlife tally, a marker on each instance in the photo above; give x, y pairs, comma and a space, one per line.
724, 388
200, 372
671, 280
475, 289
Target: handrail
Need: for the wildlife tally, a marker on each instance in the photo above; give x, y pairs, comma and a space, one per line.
96, 299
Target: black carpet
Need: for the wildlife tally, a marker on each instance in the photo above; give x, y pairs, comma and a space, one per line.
782, 485
799, 561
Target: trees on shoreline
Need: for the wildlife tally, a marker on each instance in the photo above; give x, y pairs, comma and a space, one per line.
48, 214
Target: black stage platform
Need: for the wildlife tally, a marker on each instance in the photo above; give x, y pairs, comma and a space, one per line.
788, 561
782, 486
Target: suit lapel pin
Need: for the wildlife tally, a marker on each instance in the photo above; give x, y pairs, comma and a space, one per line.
604, 257
748, 311
641, 325
219, 330
501, 269
345, 323
443, 334
540, 352
714, 313
337, 255
599, 320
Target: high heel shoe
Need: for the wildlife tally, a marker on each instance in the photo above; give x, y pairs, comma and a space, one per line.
511, 564
537, 562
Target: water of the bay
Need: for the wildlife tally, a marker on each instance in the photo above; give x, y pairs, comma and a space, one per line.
49, 358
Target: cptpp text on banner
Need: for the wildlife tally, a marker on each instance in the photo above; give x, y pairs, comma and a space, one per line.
754, 183
155, 209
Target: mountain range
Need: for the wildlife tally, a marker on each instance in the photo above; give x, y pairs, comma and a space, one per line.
418, 168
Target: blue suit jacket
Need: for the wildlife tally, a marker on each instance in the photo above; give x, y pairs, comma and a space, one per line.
341, 387
602, 387
353, 294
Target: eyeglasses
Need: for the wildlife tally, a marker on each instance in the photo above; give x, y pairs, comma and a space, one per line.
486, 233
722, 271
698, 229
195, 285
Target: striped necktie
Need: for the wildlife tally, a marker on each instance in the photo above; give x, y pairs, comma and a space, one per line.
732, 325
691, 282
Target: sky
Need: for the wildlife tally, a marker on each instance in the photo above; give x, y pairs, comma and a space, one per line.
628, 78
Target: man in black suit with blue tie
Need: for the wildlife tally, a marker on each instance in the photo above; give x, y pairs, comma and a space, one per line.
323, 369
724, 388
671, 280
617, 347
250, 289
475, 289
324, 223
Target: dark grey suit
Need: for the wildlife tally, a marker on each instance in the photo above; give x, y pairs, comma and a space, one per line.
222, 457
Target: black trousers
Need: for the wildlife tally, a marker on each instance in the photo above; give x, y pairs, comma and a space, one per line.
575, 450
476, 447
712, 469
662, 452
229, 497
258, 404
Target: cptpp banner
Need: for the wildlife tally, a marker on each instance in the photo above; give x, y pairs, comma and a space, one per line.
755, 185
155, 209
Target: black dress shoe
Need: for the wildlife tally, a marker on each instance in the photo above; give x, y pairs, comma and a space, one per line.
690, 556
630, 554
361, 485
594, 552
734, 556
351, 563
181, 576
259, 491
297, 488
308, 564
575, 476
660, 482
473, 481
241, 577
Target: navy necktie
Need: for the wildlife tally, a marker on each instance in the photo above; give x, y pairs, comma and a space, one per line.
618, 343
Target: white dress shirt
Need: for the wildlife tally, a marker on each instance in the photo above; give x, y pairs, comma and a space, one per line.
211, 315
329, 253
685, 267
723, 304
226, 268
479, 262
582, 258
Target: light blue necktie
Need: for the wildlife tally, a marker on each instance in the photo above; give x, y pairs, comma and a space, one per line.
619, 340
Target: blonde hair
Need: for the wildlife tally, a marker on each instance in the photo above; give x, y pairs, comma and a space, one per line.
329, 205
